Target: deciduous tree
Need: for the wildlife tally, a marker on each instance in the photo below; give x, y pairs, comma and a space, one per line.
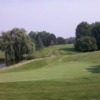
16, 44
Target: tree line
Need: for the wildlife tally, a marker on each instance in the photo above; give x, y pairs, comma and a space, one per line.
16, 43
45, 39
87, 37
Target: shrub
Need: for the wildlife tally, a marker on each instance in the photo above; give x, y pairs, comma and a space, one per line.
86, 44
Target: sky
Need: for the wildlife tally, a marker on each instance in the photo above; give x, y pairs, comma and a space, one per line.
60, 17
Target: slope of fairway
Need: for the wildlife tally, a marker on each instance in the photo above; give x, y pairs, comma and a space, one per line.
67, 76
58, 68
61, 71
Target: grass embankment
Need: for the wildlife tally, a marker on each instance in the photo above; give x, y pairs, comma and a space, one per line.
69, 76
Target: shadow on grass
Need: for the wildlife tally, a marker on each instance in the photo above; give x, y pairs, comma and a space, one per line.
94, 69
68, 49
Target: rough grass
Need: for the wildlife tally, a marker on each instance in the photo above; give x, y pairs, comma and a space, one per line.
68, 76
55, 50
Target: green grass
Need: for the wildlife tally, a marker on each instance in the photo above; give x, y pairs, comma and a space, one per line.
67, 76
55, 50
85, 89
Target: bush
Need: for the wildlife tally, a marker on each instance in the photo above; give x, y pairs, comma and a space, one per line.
86, 44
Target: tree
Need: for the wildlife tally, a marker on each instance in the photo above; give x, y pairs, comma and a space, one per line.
33, 35
45, 37
61, 40
83, 29
96, 32
1, 43
16, 44
86, 44
39, 43
52, 40
85, 41
70, 40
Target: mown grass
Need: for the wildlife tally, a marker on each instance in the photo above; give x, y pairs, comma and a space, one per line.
55, 50
84, 89
67, 76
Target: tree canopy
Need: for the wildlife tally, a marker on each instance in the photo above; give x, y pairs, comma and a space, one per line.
61, 40
96, 32
16, 44
87, 37
83, 29
39, 43
86, 44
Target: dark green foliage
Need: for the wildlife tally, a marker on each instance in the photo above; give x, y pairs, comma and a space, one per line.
39, 43
61, 40
70, 40
92, 31
16, 44
1, 43
96, 32
52, 40
45, 37
86, 44
33, 36
36, 37
83, 29
49, 39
